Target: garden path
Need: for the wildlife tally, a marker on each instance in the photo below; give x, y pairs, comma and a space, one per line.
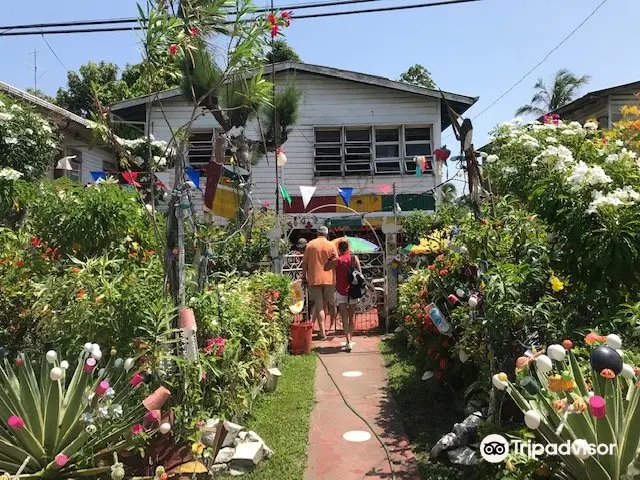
361, 377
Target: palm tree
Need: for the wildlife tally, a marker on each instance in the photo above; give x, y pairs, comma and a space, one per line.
548, 98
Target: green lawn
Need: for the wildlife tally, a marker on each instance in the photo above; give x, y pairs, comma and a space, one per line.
281, 418
427, 413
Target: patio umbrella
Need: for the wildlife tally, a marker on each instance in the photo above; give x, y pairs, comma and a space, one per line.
358, 245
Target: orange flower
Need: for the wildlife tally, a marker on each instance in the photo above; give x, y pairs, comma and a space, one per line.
555, 383
607, 373
440, 257
559, 405
592, 338
81, 294
579, 406
431, 267
444, 272
19, 263
75, 269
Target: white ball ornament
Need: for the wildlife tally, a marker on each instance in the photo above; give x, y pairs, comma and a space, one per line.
55, 374
87, 347
460, 293
614, 341
165, 428
95, 347
473, 301
118, 363
51, 356
580, 449
532, 419
101, 372
128, 364
97, 354
544, 364
556, 352
64, 365
627, 371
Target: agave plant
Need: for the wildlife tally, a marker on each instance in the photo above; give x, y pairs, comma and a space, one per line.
584, 404
58, 424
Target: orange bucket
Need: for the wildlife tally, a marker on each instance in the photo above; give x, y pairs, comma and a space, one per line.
301, 335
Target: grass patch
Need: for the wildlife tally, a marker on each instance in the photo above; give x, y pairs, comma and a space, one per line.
281, 419
427, 412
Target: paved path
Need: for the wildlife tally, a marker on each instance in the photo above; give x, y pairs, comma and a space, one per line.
331, 457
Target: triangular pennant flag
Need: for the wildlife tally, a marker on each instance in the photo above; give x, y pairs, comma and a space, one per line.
345, 193
166, 179
194, 176
130, 178
64, 163
307, 193
285, 194
384, 188
214, 172
418, 172
98, 176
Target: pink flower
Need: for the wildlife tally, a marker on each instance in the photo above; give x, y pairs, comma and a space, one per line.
204, 376
272, 19
266, 204
173, 49
136, 380
194, 31
102, 388
274, 30
286, 16
15, 422
61, 460
215, 346
137, 429
152, 416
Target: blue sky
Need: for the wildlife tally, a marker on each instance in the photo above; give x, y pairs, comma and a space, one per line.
478, 49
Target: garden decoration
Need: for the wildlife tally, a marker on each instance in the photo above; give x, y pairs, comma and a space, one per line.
358, 245
297, 297
188, 329
591, 404
64, 425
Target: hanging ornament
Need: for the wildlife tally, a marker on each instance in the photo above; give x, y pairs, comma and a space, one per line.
606, 358
499, 381
55, 374
453, 299
556, 352
544, 364
281, 158
567, 344
532, 419
614, 341
460, 293
473, 301
51, 356
442, 154
580, 448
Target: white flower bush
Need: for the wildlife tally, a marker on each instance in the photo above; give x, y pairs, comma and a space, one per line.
138, 149
28, 143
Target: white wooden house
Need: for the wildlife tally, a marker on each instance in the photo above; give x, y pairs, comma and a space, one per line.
354, 130
75, 139
602, 105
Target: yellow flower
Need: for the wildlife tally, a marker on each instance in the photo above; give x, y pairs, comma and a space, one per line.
135, 245
630, 110
197, 448
556, 283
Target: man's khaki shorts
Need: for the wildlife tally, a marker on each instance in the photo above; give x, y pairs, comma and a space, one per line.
320, 293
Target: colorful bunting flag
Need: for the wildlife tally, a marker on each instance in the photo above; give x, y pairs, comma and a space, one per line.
131, 178
418, 171
65, 163
345, 193
166, 179
285, 194
384, 188
214, 172
194, 176
98, 176
307, 193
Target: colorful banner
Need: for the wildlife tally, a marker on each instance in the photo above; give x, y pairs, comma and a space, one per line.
131, 178
306, 193
285, 194
98, 176
214, 172
384, 188
194, 176
166, 179
345, 193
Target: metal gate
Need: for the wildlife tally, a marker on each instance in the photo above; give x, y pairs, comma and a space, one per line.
367, 316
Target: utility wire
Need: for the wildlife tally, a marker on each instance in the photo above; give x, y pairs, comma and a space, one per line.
562, 42
120, 21
296, 17
55, 54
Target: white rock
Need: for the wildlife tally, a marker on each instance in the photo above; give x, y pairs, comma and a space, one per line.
253, 437
237, 471
233, 430
243, 436
209, 437
247, 454
225, 455
219, 468
464, 356
427, 375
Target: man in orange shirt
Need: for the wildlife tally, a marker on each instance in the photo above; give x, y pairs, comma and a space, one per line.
321, 283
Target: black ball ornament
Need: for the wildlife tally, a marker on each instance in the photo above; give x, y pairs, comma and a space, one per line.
604, 357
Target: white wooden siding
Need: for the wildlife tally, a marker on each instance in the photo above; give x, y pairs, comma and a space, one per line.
325, 101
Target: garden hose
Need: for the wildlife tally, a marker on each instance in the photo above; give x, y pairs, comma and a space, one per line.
386, 450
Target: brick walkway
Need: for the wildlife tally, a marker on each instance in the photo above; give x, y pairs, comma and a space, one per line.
331, 457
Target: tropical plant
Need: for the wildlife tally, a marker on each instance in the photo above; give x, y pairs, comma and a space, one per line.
281, 51
27, 141
58, 424
549, 97
593, 404
448, 192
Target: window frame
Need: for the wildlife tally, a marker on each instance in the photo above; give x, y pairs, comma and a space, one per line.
387, 160
197, 131
409, 164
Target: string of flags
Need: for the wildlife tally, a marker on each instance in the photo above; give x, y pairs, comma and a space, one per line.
307, 192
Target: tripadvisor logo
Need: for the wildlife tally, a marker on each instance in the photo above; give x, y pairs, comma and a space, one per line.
495, 448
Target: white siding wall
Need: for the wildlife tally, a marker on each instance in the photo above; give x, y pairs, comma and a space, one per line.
94, 159
325, 102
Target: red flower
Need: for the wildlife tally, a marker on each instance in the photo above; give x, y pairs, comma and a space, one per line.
137, 429
431, 267
443, 363
276, 295
423, 293
272, 19
36, 242
274, 30
443, 272
173, 49
407, 318
194, 31
20, 263
286, 16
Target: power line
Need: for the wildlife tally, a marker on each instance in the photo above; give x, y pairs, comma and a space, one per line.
562, 42
296, 17
117, 21
55, 54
